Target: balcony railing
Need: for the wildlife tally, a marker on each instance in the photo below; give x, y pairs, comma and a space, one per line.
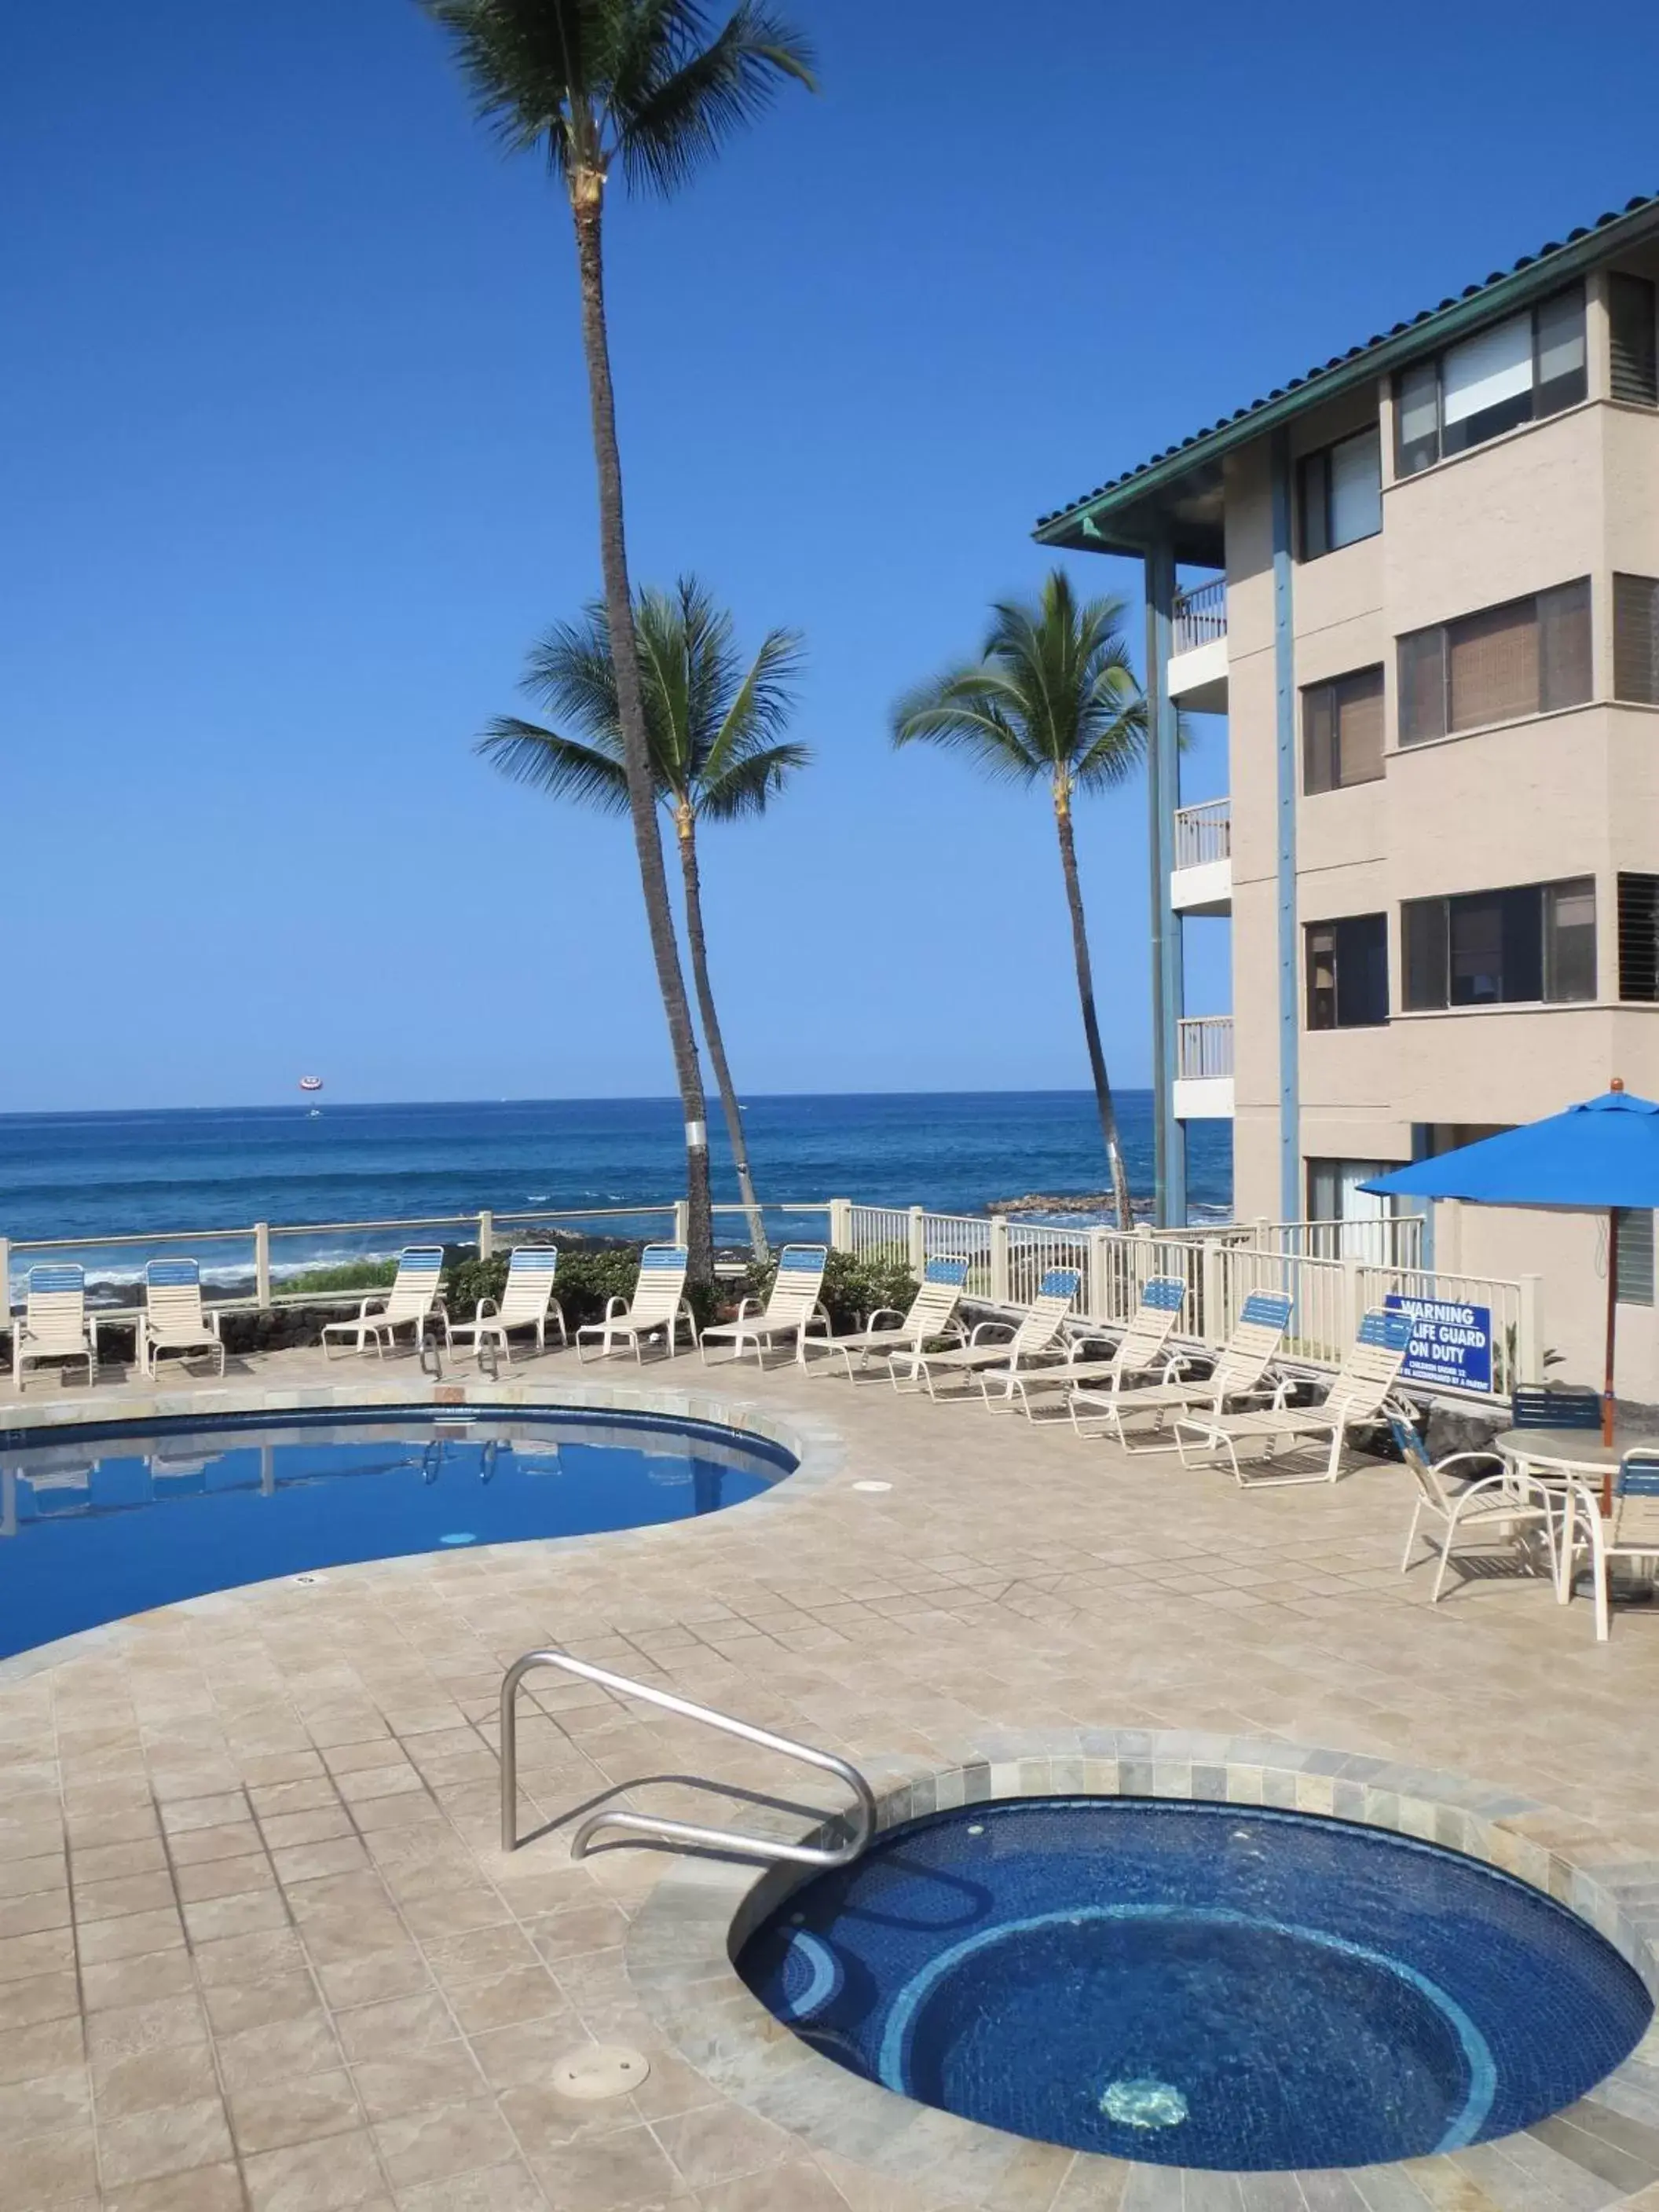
1200, 616
1204, 1049
1203, 833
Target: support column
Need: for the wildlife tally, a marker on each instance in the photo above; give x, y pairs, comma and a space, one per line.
1163, 796
1291, 1199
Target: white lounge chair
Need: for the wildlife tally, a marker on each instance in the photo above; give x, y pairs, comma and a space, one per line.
1036, 1335
1137, 1352
1631, 1531
1512, 1506
1240, 1371
54, 1323
414, 1298
659, 1307
1358, 1397
792, 1308
526, 1301
174, 1322
932, 1314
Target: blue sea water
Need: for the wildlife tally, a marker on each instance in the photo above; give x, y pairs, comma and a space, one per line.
93, 1176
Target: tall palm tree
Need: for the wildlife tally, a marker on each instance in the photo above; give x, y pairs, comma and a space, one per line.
1052, 699
646, 86
718, 754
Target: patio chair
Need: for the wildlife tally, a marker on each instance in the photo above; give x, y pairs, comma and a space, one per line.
526, 1301
1355, 1400
1630, 1532
174, 1322
54, 1323
1138, 1351
932, 1314
659, 1307
414, 1297
1240, 1371
792, 1308
1038, 1334
1512, 1507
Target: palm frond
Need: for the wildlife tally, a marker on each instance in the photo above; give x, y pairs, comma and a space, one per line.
529, 64
570, 674
563, 767
967, 710
754, 714
676, 100
748, 785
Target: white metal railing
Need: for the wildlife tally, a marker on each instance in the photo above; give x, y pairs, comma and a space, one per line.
1203, 1047
1203, 834
1200, 616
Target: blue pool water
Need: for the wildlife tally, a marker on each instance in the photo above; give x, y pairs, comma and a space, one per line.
114, 1521
1199, 1984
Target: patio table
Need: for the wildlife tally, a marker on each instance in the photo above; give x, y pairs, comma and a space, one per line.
1564, 1453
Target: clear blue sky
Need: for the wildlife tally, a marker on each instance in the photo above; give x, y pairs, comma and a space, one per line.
296, 464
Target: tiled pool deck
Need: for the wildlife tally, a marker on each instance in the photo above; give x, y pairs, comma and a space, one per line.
259, 1947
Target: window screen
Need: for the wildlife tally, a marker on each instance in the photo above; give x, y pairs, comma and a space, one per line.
1570, 940
1492, 665
1423, 947
1342, 731
1341, 494
1485, 384
1564, 647
1422, 686
1635, 359
1528, 944
1636, 639
1638, 938
1558, 330
1527, 657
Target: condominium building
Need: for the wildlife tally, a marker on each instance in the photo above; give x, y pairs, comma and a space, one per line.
1422, 582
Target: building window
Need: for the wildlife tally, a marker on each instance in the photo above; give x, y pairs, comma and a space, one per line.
1341, 494
1635, 1278
1636, 639
1533, 945
1519, 371
1638, 938
1358, 1220
1431, 1139
1631, 333
1348, 972
1342, 731
1529, 657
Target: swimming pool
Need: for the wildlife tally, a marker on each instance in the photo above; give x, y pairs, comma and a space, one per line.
1199, 1984
113, 1520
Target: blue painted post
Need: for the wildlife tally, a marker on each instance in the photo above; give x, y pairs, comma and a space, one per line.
1291, 1203
1163, 796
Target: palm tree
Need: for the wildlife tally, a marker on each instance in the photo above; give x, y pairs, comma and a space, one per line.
643, 86
1051, 699
717, 752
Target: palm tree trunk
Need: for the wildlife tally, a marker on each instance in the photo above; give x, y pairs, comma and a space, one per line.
687, 829
1085, 991
587, 188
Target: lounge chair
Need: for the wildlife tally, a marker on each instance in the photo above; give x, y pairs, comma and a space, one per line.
1513, 1507
1240, 1371
414, 1297
174, 1322
1036, 1335
659, 1307
789, 1312
1630, 1532
53, 1324
1137, 1352
526, 1301
1356, 1398
932, 1314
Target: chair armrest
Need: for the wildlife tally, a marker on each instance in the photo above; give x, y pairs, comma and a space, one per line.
212, 1317
745, 1305
1078, 1343
614, 1305
1452, 1459
376, 1302
1009, 1330
881, 1313
1177, 1365
484, 1307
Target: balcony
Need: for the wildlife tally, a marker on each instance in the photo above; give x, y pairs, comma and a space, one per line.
1201, 880
1198, 649
1204, 1069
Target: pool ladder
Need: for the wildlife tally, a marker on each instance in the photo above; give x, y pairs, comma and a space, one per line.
861, 1828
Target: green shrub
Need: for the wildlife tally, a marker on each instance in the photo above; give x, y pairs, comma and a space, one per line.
853, 1289
584, 1282
348, 1275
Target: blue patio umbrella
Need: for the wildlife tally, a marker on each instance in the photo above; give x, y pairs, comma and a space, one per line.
1601, 1156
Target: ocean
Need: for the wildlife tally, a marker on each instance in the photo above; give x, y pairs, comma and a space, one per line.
91, 1176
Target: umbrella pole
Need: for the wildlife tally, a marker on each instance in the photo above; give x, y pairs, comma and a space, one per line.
1612, 1324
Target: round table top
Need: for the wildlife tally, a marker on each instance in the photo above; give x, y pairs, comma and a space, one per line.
1573, 1447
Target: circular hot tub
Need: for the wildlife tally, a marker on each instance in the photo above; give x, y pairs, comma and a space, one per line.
1199, 1984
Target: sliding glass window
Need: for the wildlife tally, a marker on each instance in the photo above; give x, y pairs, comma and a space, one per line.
1528, 657
1518, 371
1531, 944
1342, 731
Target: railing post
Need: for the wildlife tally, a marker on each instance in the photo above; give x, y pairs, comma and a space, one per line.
261, 1264
682, 1221
486, 1233
841, 1224
918, 1241
1000, 1293
1354, 1295
5, 1282
1212, 1325
1100, 1274
1529, 1332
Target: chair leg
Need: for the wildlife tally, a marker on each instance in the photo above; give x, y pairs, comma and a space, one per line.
1445, 1557
1411, 1533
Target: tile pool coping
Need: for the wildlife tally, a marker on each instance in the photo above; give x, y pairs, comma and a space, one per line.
816, 1446
681, 1946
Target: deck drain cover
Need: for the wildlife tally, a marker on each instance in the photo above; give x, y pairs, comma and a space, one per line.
599, 2070
873, 1486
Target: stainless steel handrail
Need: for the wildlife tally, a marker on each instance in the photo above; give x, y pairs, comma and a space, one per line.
680, 1831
